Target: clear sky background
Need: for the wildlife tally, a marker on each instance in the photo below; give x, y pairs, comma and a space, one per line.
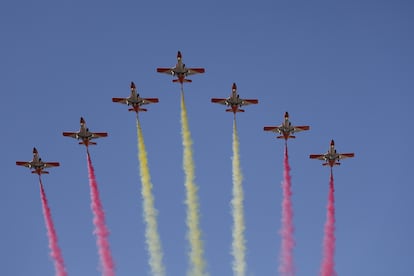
345, 68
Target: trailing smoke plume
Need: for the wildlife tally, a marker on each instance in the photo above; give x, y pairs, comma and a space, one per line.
238, 245
328, 262
101, 230
150, 213
55, 252
197, 263
286, 266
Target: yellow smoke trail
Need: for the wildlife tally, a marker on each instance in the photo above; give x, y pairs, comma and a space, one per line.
197, 266
150, 213
238, 245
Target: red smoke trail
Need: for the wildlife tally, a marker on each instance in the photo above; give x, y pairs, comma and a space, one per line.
286, 266
101, 231
51, 234
328, 262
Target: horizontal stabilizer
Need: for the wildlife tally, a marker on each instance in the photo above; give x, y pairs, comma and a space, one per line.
184, 80
237, 110
89, 143
139, 109
290, 136
41, 172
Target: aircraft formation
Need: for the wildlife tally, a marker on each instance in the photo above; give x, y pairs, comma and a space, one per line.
233, 104
180, 71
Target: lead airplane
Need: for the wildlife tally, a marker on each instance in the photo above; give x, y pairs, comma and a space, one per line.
134, 100
85, 135
37, 164
234, 101
331, 158
180, 70
286, 129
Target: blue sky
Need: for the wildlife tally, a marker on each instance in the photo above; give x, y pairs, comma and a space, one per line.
346, 69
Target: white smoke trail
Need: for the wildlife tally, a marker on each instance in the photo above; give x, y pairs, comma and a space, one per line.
238, 245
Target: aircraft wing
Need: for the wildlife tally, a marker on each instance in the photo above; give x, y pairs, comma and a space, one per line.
70, 134
300, 128
317, 156
249, 101
169, 71
272, 128
120, 100
23, 163
193, 71
51, 164
345, 155
98, 135
219, 101
149, 100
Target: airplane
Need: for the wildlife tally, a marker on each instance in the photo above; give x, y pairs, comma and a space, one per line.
37, 164
234, 101
331, 158
180, 70
286, 129
135, 100
85, 135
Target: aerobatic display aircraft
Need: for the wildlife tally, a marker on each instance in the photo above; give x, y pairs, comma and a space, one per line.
331, 158
37, 164
85, 135
134, 100
234, 101
180, 70
286, 129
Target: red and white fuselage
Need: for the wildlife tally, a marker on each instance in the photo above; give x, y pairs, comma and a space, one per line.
331, 158
234, 101
85, 135
180, 70
37, 164
286, 130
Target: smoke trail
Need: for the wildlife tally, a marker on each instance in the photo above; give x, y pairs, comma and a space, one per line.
197, 267
328, 262
150, 213
101, 231
286, 266
55, 252
238, 245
